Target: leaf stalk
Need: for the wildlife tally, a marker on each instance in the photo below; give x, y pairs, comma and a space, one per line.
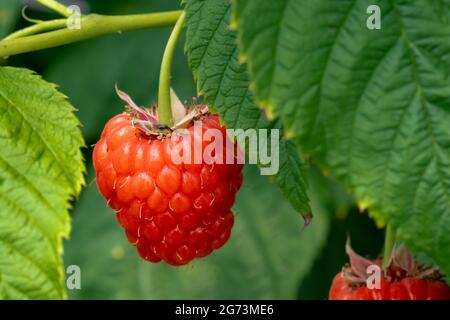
164, 105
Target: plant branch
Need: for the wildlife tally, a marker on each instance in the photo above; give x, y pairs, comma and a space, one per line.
38, 28
164, 105
91, 26
56, 6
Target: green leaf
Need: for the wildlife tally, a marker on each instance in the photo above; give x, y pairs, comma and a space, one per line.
266, 257
41, 169
214, 59
223, 81
290, 178
9, 12
371, 105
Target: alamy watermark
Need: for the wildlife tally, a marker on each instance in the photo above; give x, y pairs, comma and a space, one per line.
73, 280
374, 279
374, 20
74, 20
212, 146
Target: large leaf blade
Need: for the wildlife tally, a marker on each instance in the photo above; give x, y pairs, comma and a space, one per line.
41, 169
372, 106
9, 12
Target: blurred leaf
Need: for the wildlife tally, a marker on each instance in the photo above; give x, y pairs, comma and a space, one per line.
9, 13
41, 168
372, 105
87, 73
290, 178
332, 193
346, 221
131, 7
223, 81
366, 238
266, 257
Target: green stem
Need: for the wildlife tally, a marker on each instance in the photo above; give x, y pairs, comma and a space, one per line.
164, 106
56, 6
91, 26
38, 28
389, 241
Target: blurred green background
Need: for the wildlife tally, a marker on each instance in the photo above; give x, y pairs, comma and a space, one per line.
270, 254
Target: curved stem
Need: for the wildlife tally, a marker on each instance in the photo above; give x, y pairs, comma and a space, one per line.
91, 26
38, 28
56, 6
164, 106
389, 241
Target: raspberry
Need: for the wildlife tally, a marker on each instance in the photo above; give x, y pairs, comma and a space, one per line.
170, 212
408, 288
402, 279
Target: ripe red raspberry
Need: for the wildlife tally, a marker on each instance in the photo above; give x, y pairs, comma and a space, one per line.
170, 212
408, 288
403, 279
